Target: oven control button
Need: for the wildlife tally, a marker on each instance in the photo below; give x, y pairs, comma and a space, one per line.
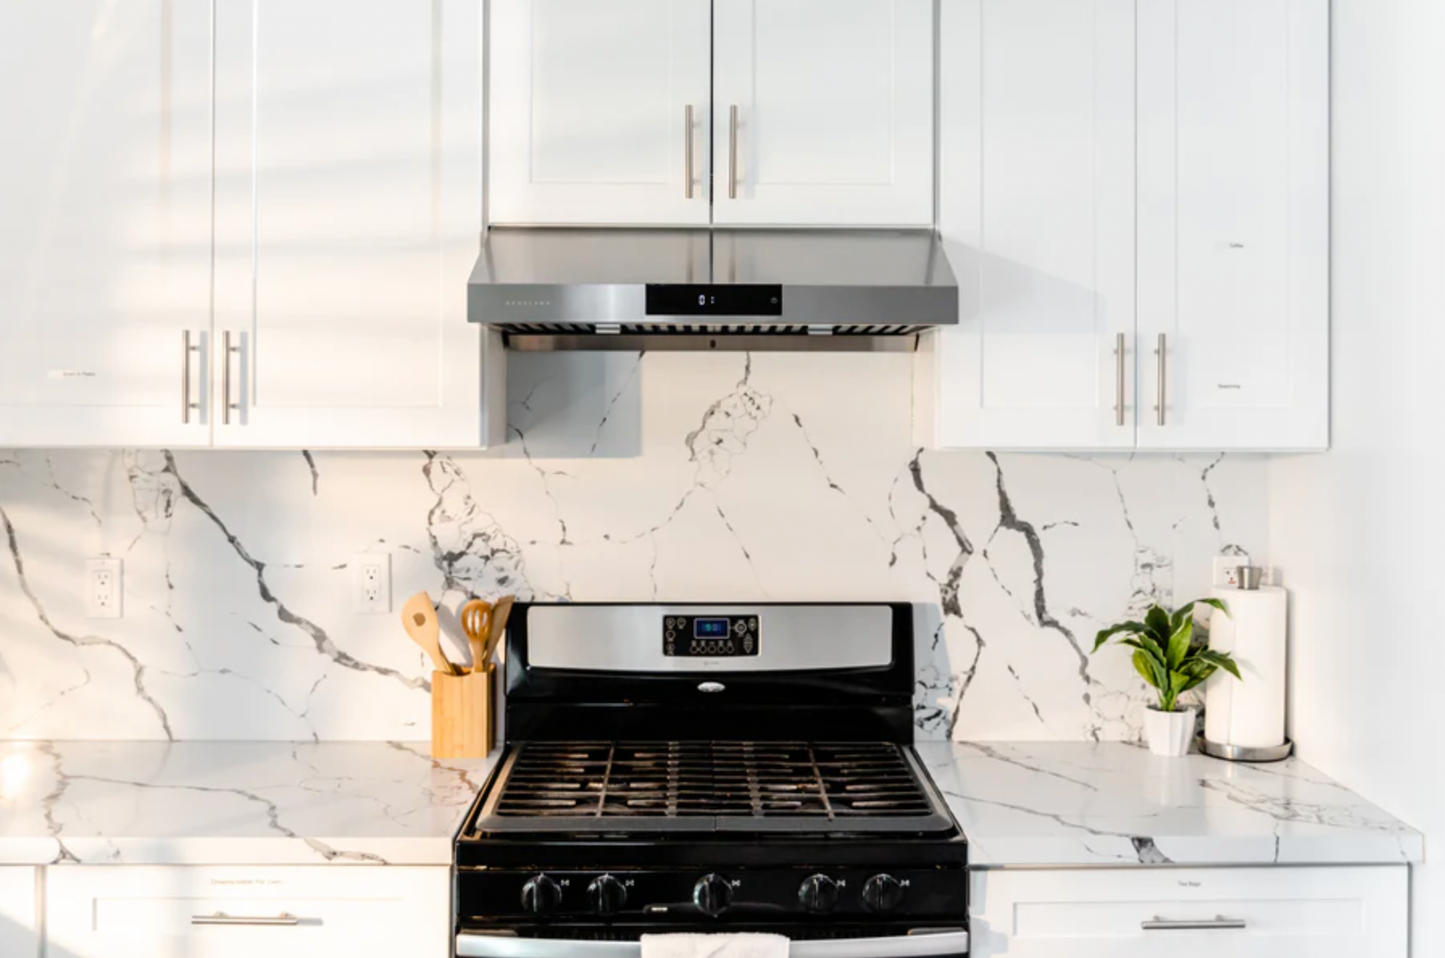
541, 895
607, 895
818, 894
882, 893
712, 895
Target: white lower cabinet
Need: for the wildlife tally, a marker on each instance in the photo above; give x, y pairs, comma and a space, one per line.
1266, 912
134, 911
19, 927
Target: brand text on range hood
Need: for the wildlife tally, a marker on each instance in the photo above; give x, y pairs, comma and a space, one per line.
634, 289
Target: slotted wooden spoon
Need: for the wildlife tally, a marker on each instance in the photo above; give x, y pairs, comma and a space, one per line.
476, 618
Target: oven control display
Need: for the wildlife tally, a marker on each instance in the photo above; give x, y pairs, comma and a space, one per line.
710, 636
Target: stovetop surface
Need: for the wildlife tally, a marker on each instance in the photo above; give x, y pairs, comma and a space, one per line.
696, 788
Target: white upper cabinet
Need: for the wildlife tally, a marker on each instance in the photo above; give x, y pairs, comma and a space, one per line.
600, 111
823, 112
1234, 224
348, 219
1037, 216
105, 222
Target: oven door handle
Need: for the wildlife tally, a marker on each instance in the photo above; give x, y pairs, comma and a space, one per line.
923, 945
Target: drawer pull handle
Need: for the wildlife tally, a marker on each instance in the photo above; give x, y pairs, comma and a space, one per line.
221, 918
1217, 923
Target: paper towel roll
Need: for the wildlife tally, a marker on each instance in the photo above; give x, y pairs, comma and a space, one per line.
1248, 713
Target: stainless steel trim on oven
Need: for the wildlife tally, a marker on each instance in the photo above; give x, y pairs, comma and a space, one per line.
930, 945
629, 638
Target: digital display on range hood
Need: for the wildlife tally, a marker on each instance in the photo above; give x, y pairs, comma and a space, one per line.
710, 300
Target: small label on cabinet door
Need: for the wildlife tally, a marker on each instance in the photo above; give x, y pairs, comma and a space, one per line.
72, 374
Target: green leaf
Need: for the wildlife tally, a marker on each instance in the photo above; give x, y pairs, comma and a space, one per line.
1113, 630
1157, 621
1179, 644
1186, 612
1149, 669
1220, 660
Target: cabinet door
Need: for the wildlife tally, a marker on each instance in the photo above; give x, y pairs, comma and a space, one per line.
105, 221
348, 220
1037, 216
599, 111
1234, 224
19, 922
137, 911
834, 112
1268, 912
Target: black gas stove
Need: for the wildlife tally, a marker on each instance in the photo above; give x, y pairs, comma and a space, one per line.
718, 768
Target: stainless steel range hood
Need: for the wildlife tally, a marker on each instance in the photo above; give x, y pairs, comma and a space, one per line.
548, 288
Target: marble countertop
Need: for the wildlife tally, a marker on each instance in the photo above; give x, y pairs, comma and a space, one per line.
232, 803
1053, 803
1069, 804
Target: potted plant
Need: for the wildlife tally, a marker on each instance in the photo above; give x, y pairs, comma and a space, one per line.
1169, 658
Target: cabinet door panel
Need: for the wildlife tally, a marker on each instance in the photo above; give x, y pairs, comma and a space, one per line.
105, 235
1233, 222
835, 112
19, 924
589, 111
1037, 216
349, 218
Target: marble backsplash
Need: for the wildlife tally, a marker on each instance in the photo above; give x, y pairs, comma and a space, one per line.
667, 476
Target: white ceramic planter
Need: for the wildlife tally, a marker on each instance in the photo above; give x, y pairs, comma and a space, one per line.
1169, 733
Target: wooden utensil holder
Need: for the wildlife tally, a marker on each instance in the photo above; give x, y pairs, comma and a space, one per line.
461, 714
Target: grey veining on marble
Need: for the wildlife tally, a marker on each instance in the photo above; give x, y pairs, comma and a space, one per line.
768, 477
1075, 803
232, 803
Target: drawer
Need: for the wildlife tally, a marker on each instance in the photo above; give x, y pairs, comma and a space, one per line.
133, 911
1274, 912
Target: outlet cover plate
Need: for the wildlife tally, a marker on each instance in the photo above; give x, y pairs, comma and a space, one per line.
371, 583
103, 589
1226, 575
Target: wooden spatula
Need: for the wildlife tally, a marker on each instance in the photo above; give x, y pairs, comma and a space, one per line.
500, 612
476, 617
419, 617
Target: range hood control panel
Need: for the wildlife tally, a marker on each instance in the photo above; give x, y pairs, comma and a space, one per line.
710, 636
693, 299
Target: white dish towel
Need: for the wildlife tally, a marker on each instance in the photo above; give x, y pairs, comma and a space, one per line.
714, 946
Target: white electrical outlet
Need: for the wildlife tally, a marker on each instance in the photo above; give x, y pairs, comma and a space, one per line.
102, 589
1226, 570
371, 583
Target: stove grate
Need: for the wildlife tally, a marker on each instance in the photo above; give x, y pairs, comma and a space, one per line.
822, 781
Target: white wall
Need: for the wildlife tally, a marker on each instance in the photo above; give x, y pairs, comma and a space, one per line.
1358, 532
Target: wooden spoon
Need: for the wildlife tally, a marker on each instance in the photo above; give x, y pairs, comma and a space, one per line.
476, 617
419, 618
500, 612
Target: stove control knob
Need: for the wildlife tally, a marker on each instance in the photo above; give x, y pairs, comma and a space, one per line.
541, 895
712, 895
818, 894
607, 895
882, 893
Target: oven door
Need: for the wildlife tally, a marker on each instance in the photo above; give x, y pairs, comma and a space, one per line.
949, 943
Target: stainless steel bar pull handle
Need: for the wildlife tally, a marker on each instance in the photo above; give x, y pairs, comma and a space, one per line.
186, 350
733, 152
687, 148
1119, 380
226, 352
1162, 351
1219, 923
283, 920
